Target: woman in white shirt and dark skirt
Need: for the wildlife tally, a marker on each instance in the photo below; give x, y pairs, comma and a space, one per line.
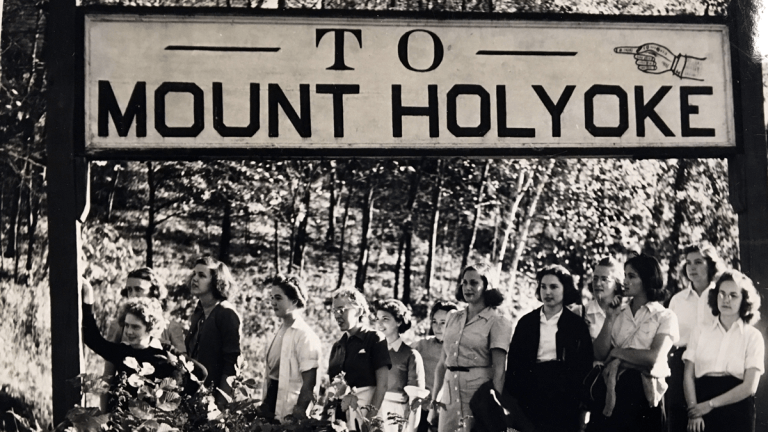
724, 360
550, 354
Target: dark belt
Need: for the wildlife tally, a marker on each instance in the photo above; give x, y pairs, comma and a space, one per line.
458, 368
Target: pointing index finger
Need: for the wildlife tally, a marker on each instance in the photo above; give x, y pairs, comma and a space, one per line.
626, 50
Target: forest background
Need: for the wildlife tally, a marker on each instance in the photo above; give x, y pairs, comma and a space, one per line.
394, 228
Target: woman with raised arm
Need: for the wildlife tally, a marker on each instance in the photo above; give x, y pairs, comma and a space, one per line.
143, 283
606, 286
550, 354
633, 344
430, 349
474, 349
724, 359
361, 354
142, 319
394, 319
691, 305
293, 354
214, 338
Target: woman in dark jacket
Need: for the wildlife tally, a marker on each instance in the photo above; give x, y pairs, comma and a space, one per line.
550, 354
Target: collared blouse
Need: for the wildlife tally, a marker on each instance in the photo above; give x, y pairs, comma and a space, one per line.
595, 316
692, 311
638, 331
715, 350
469, 344
547, 337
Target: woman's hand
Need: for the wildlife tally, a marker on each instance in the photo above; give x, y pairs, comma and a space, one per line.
699, 410
696, 424
86, 290
614, 308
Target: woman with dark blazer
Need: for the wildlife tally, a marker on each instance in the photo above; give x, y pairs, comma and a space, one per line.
550, 354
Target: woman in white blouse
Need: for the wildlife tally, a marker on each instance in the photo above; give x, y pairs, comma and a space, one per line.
293, 354
633, 344
724, 360
691, 305
606, 285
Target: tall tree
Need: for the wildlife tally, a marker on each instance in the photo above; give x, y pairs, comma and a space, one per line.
476, 219
437, 192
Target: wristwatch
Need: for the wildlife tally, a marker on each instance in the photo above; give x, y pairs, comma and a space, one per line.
711, 405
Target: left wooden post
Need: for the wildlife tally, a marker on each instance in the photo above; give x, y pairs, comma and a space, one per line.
67, 189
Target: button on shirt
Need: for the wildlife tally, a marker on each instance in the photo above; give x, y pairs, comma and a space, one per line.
547, 333
717, 351
692, 311
469, 344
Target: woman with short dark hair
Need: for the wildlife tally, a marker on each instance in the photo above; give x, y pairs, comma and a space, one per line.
214, 338
474, 349
394, 319
724, 360
293, 354
550, 354
633, 344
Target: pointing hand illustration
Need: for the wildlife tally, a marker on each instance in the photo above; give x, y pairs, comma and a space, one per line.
657, 59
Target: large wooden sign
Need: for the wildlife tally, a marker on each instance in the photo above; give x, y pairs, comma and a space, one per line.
336, 85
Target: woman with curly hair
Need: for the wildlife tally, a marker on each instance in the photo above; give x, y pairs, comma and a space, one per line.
698, 274
293, 354
633, 344
142, 319
143, 282
394, 319
550, 354
606, 286
430, 349
724, 360
214, 338
474, 349
361, 354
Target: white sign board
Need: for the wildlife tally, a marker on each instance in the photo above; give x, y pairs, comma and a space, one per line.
167, 82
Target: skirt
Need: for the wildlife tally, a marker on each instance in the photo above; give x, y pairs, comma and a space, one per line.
458, 389
397, 403
674, 398
738, 417
550, 393
364, 397
633, 412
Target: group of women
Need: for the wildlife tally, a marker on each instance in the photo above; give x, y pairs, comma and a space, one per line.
621, 362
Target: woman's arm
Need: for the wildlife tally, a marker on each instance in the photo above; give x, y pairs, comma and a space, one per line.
499, 359
437, 385
647, 358
736, 394
306, 394
602, 344
416, 374
229, 331
382, 379
689, 383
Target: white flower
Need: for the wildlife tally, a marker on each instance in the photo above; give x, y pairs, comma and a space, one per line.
146, 369
135, 381
131, 363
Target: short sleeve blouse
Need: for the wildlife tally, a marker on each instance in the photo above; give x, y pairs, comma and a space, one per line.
638, 331
469, 344
715, 350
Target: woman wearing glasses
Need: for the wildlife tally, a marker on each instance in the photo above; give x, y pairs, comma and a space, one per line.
214, 338
293, 354
361, 354
474, 349
724, 360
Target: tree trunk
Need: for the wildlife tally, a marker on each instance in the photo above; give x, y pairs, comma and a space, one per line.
247, 233
408, 229
523, 237
111, 194
524, 180
408, 262
330, 235
398, 266
32, 219
478, 199
226, 232
2, 206
150, 231
277, 244
17, 233
436, 197
10, 249
343, 240
301, 236
673, 284
362, 261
